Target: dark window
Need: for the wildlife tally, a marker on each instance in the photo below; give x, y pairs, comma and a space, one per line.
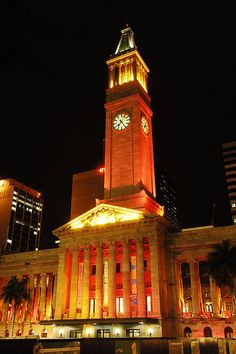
117, 267
93, 271
77, 333
207, 332
145, 264
228, 332
187, 332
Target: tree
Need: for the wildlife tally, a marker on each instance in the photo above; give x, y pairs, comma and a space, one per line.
222, 267
14, 293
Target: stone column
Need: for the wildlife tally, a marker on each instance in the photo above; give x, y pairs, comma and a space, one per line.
42, 296
140, 279
215, 298
74, 283
85, 303
112, 281
156, 310
99, 280
31, 300
126, 279
60, 290
195, 288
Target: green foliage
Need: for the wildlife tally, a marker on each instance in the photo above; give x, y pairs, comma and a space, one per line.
222, 264
15, 291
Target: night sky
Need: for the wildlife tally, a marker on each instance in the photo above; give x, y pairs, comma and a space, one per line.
53, 82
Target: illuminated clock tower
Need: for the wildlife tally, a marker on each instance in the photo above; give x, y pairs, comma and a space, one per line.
129, 162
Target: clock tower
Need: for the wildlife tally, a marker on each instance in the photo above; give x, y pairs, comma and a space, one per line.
129, 162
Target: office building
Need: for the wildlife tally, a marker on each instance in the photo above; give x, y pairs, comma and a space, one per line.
229, 155
21, 217
166, 196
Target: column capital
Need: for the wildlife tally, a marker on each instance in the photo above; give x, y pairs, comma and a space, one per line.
139, 240
99, 245
111, 244
86, 247
126, 242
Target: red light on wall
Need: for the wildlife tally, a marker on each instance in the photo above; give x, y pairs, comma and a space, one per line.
101, 170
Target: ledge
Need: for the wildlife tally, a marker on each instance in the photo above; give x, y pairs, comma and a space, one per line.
101, 321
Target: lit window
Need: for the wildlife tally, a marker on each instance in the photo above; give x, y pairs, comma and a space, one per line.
91, 306
9, 241
149, 303
119, 306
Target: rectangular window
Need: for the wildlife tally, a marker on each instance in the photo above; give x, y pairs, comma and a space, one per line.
103, 333
93, 270
92, 306
76, 333
119, 306
133, 333
117, 267
149, 303
145, 264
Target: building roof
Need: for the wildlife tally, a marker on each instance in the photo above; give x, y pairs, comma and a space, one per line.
126, 42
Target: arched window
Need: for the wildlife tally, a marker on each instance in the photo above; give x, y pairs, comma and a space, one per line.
207, 332
31, 332
18, 332
228, 332
187, 332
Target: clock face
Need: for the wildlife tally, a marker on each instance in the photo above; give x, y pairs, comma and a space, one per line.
121, 121
145, 125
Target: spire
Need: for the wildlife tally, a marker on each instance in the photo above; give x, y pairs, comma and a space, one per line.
126, 42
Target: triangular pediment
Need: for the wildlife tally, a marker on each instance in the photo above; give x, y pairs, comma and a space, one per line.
102, 214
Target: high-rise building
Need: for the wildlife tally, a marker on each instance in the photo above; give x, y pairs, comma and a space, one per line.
229, 155
20, 217
166, 196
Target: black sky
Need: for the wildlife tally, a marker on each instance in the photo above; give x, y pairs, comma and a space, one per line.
53, 81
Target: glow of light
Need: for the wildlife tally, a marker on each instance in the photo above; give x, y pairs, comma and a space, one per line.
61, 332
101, 170
2, 182
150, 332
117, 331
88, 332
105, 216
